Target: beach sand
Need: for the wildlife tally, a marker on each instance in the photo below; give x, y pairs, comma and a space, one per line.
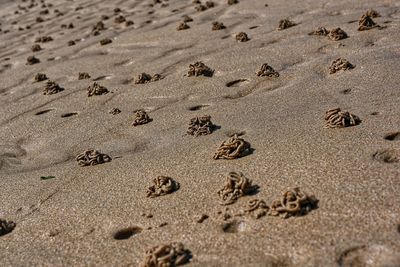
73, 219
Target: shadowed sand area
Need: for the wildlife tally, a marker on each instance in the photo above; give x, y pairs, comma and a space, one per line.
99, 215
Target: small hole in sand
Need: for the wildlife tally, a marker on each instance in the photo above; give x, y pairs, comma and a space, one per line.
393, 136
127, 233
66, 115
233, 227
346, 91
198, 107
253, 27
374, 113
236, 83
43, 112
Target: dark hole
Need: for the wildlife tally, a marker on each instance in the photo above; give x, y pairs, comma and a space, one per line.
43, 112
393, 136
253, 27
198, 107
231, 227
374, 113
346, 91
66, 115
127, 233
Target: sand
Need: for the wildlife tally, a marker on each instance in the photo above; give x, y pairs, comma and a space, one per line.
72, 219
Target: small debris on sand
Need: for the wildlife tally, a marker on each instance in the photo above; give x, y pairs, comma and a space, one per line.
115, 111
163, 185
141, 117
186, 18
200, 126
340, 64
201, 218
320, 31
31, 60
43, 39
40, 77
173, 254
96, 89
91, 158
52, 88
268, 71
6, 227
366, 23
83, 76
217, 26
105, 41
337, 34
335, 118
182, 26
293, 202
36, 48
199, 68
285, 23
232, 148
242, 37
236, 186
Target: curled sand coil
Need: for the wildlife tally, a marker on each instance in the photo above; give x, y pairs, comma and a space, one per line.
335, 118
6, 227
40, 77
340, 64
145, 78
36, 48
199, 68
236, 186
337, 34
200, 126
52, 88
120, 19
141, 117
182, 26
242, 37
267, 70
293, 202
96, 89
232, 148
83, 76
115, 111
166, 255
91, 158
31, 60
366, 23
216, 26
320, 31
285, 23
105, 41
186, 18
43, 39
162, 185
257, 207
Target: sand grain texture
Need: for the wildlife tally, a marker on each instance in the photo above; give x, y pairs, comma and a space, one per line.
91, 216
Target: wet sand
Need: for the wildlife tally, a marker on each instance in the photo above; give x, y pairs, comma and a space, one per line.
74, 219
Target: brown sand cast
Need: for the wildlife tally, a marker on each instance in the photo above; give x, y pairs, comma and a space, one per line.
163, 185
200, 126
91, 158
236, 186
173, 254
92, 216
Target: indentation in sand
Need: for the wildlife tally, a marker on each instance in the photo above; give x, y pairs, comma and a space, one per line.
127, 233
393, 136
233, 226
198, 107
368, 256
43, 111
69, 114
237, 83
